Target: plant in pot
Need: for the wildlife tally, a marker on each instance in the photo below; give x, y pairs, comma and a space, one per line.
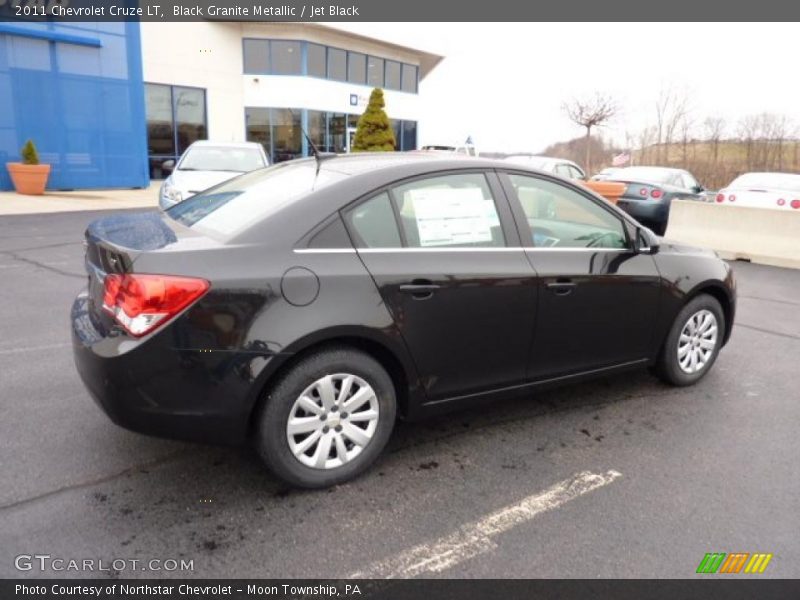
29, 176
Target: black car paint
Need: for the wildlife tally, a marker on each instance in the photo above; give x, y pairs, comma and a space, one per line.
496, 324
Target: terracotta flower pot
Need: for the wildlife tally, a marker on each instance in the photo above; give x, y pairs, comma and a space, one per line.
29, 179
610, 190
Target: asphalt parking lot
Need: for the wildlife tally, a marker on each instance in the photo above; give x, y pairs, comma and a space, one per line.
620, 477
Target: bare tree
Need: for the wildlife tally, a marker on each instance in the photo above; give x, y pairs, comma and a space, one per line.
685, 128
713, 129
589, 113
748, 130
645, 141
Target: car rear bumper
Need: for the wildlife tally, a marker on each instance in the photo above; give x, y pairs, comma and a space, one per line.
150, 388
645, 210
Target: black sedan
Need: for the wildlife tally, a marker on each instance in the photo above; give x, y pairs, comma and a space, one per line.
649, 192
308, 305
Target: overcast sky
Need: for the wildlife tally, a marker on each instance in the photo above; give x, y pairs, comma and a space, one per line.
504, 84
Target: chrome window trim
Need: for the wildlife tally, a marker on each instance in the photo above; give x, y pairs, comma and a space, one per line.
435, 249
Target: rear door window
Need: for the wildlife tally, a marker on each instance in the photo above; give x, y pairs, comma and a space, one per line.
449, 211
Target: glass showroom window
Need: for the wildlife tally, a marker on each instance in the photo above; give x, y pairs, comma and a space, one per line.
409, 82
286, 134
409, 141
316, 60
337, 64
176, 117
287, 58
356, 67
256, 56
318, 129
337, 128
375, 72
258, 127
392, 75
190, 116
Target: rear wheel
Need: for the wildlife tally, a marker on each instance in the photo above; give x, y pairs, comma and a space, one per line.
327, 419
693, 342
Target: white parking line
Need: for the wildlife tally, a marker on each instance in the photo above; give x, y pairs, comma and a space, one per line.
34, 348
475, 538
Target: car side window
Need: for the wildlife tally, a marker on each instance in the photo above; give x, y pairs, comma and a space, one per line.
563, 218
563, 171
373, 224
450, 211
575, 173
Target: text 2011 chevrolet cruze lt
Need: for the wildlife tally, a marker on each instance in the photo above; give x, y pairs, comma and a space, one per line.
308, 305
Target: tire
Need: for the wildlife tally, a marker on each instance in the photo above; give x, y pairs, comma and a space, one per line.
679, 370
322, 377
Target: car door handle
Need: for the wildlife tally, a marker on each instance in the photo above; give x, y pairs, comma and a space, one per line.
419, 288
561, 288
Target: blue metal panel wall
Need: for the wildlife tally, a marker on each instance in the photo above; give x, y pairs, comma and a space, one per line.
76, 90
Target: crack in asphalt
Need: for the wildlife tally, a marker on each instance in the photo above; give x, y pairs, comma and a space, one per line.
45, 247
762, 299
14, 256
790, 336
97, 480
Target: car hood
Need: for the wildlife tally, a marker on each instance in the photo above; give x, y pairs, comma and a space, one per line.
190, 183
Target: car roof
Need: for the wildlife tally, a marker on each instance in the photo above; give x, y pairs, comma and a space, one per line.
368, 162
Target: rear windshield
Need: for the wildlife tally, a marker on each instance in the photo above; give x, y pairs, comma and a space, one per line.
233, 206
767, 181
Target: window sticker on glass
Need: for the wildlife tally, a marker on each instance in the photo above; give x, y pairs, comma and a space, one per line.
448, 216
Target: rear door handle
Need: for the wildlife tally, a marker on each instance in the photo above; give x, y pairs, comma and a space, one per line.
561, 288
419, 288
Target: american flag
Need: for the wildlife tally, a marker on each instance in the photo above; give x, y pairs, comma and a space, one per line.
621, 159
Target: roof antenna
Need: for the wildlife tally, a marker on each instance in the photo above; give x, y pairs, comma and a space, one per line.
318, 156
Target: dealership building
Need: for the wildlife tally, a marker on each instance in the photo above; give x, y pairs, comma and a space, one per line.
108, 103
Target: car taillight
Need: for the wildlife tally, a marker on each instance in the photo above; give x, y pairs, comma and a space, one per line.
720, 197
732, 198
795, 204
655, 193
142, 302
781, 201
643, 192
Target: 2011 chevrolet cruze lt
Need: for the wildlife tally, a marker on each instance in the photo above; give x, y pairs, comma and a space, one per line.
308, 305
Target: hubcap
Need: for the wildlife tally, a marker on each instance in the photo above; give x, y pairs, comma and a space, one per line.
697, 342
332, 421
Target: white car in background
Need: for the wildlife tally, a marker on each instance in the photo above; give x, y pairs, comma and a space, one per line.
204, 165
560, 166
780, 191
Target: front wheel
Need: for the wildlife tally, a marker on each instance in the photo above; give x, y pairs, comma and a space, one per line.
693, 342
327, 419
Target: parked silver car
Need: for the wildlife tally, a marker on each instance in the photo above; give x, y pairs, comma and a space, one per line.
205, 164
560, 166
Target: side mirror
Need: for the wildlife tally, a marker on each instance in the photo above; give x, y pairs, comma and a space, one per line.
168, 165
646, 241
698, 189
